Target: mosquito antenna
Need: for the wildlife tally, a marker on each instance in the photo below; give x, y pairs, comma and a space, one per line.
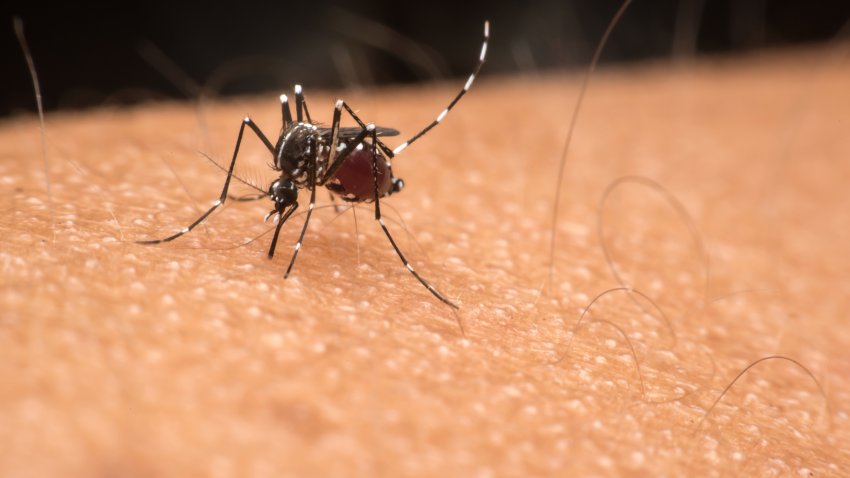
569, 138
18, 25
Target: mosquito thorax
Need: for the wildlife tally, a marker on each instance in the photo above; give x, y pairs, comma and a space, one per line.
295, 149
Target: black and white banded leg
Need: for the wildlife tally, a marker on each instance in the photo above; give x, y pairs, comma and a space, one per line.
386, 150
313, 167
310, 207
457, 98
380, 220
301, 104
223, 197
337, 155
285, 114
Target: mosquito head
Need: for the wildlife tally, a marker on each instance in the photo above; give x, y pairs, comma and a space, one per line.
284, 193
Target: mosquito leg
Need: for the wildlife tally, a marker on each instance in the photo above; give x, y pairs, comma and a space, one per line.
301, 104
457, 98
343, 150
338, 153
285, 114
309, 210
407, 264
306, 111
223, 197
384, 148
332, 161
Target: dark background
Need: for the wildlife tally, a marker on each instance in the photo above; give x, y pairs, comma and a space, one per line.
93, 55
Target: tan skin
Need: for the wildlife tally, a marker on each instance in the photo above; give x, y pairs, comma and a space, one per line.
196, 358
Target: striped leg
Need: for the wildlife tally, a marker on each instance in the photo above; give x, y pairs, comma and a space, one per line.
457, 98
339, 153
309, 211
285, 114
343, 153
407, 264
301, 104
332, 162
223, 197
386, 150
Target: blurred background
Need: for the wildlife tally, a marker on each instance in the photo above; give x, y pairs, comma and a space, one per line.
136, 51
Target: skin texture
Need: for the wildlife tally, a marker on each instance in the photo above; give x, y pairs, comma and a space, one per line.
196, 358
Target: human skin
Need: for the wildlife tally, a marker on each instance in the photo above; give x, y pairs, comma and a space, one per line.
196, 357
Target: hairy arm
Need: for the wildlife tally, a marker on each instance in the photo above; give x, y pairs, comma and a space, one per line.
197, 357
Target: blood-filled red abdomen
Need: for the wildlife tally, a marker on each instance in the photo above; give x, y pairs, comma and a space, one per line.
354, 180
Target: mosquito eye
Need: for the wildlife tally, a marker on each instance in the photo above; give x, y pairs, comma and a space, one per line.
288, 191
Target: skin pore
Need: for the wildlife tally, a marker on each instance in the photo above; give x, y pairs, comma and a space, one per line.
196, 358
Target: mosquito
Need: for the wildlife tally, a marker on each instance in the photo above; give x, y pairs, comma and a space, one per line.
351, 162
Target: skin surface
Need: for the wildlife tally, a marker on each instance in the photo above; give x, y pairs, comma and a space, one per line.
196, 358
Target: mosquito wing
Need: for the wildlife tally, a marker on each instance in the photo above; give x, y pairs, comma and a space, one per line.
352, 132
